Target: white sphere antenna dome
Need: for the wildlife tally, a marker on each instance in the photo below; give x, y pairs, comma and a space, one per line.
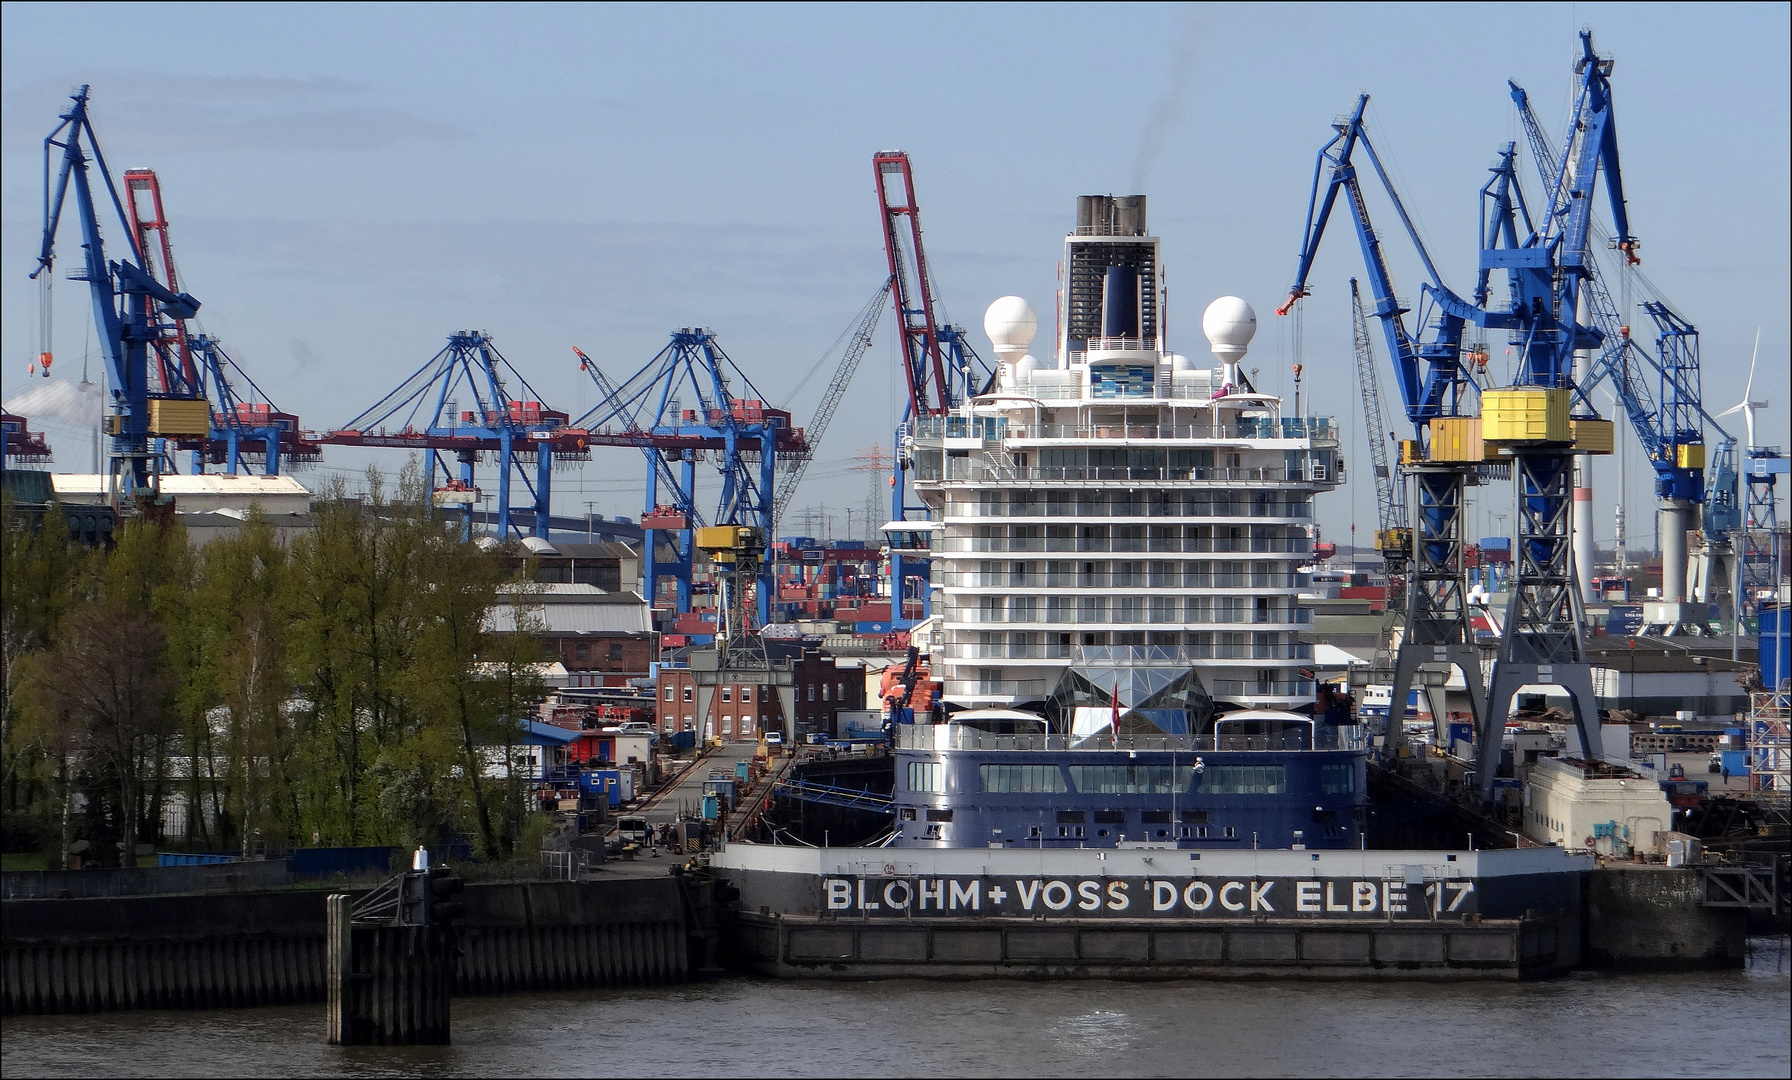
1025, 367
1011, 324
1229, 324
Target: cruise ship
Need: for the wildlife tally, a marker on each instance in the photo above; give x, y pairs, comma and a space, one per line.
1117, 539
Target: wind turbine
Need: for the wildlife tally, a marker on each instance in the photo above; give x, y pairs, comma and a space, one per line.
1748, 407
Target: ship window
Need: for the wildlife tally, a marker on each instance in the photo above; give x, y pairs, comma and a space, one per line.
1230, 833
1110, 817
1021, 779
927, 776
1154, 817
1125, 779
1245, 780
1071, 817
939, 815
1321, 817
906, 813
1338, 779
1194, 817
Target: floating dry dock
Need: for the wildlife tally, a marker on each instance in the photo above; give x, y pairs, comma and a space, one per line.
1155, 912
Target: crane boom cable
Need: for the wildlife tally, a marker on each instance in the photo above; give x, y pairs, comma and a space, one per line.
862, 336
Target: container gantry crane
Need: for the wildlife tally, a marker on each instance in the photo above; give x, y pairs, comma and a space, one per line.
424, 414
1434, 389
123, 295
746, 437
938, 363
242, 432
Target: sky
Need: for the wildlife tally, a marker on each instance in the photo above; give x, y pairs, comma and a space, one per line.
348, 184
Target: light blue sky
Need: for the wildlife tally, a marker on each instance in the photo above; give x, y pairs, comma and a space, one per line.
348, 184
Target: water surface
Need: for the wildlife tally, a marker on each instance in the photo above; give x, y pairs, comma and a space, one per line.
1706, 1024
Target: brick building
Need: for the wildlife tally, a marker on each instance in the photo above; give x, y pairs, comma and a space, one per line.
603, 638
741, 711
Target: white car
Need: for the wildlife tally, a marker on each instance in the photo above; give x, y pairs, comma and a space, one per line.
774, 738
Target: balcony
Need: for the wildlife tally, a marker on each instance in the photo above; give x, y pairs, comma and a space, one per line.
956, 737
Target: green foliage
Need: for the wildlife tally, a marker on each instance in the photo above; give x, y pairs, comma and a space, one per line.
346, 689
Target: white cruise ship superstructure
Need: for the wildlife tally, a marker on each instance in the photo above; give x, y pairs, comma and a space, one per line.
1120, 529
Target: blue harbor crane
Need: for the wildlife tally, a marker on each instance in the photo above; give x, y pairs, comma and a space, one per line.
742, 436
1435, 386
460, 405
129, 307
1547, 263
1546, 271
1670, 420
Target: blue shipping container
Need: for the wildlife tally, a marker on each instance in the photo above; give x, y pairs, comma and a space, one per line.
1775, 629
1624, 621
871, 628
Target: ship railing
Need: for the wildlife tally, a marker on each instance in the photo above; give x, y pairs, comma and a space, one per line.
1117, 619
1261, 688
980, 470
1128, 580
1118, 580
1120, 344
976, 650
1103, 512
1019, 688
986, 428
959, 737
1292, 427
1095, 545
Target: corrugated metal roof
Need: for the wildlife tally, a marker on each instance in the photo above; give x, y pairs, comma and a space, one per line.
178, 484
571, 618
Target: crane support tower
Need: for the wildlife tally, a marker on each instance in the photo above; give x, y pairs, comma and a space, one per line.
1440, 461
129, 306
426, 413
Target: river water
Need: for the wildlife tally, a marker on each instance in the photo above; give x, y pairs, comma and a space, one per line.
1706, 1024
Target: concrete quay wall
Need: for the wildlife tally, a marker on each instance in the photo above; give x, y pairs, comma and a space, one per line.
1648, 918
263, 948
1153, 949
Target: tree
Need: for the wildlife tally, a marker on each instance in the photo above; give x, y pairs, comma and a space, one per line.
108, 683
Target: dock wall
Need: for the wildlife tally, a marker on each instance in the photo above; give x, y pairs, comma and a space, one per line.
1648, 918
1147, 949
263, 948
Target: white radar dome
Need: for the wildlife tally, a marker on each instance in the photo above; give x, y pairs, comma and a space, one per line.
1010, 323
1025, 367
1229, 324
1179, 362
